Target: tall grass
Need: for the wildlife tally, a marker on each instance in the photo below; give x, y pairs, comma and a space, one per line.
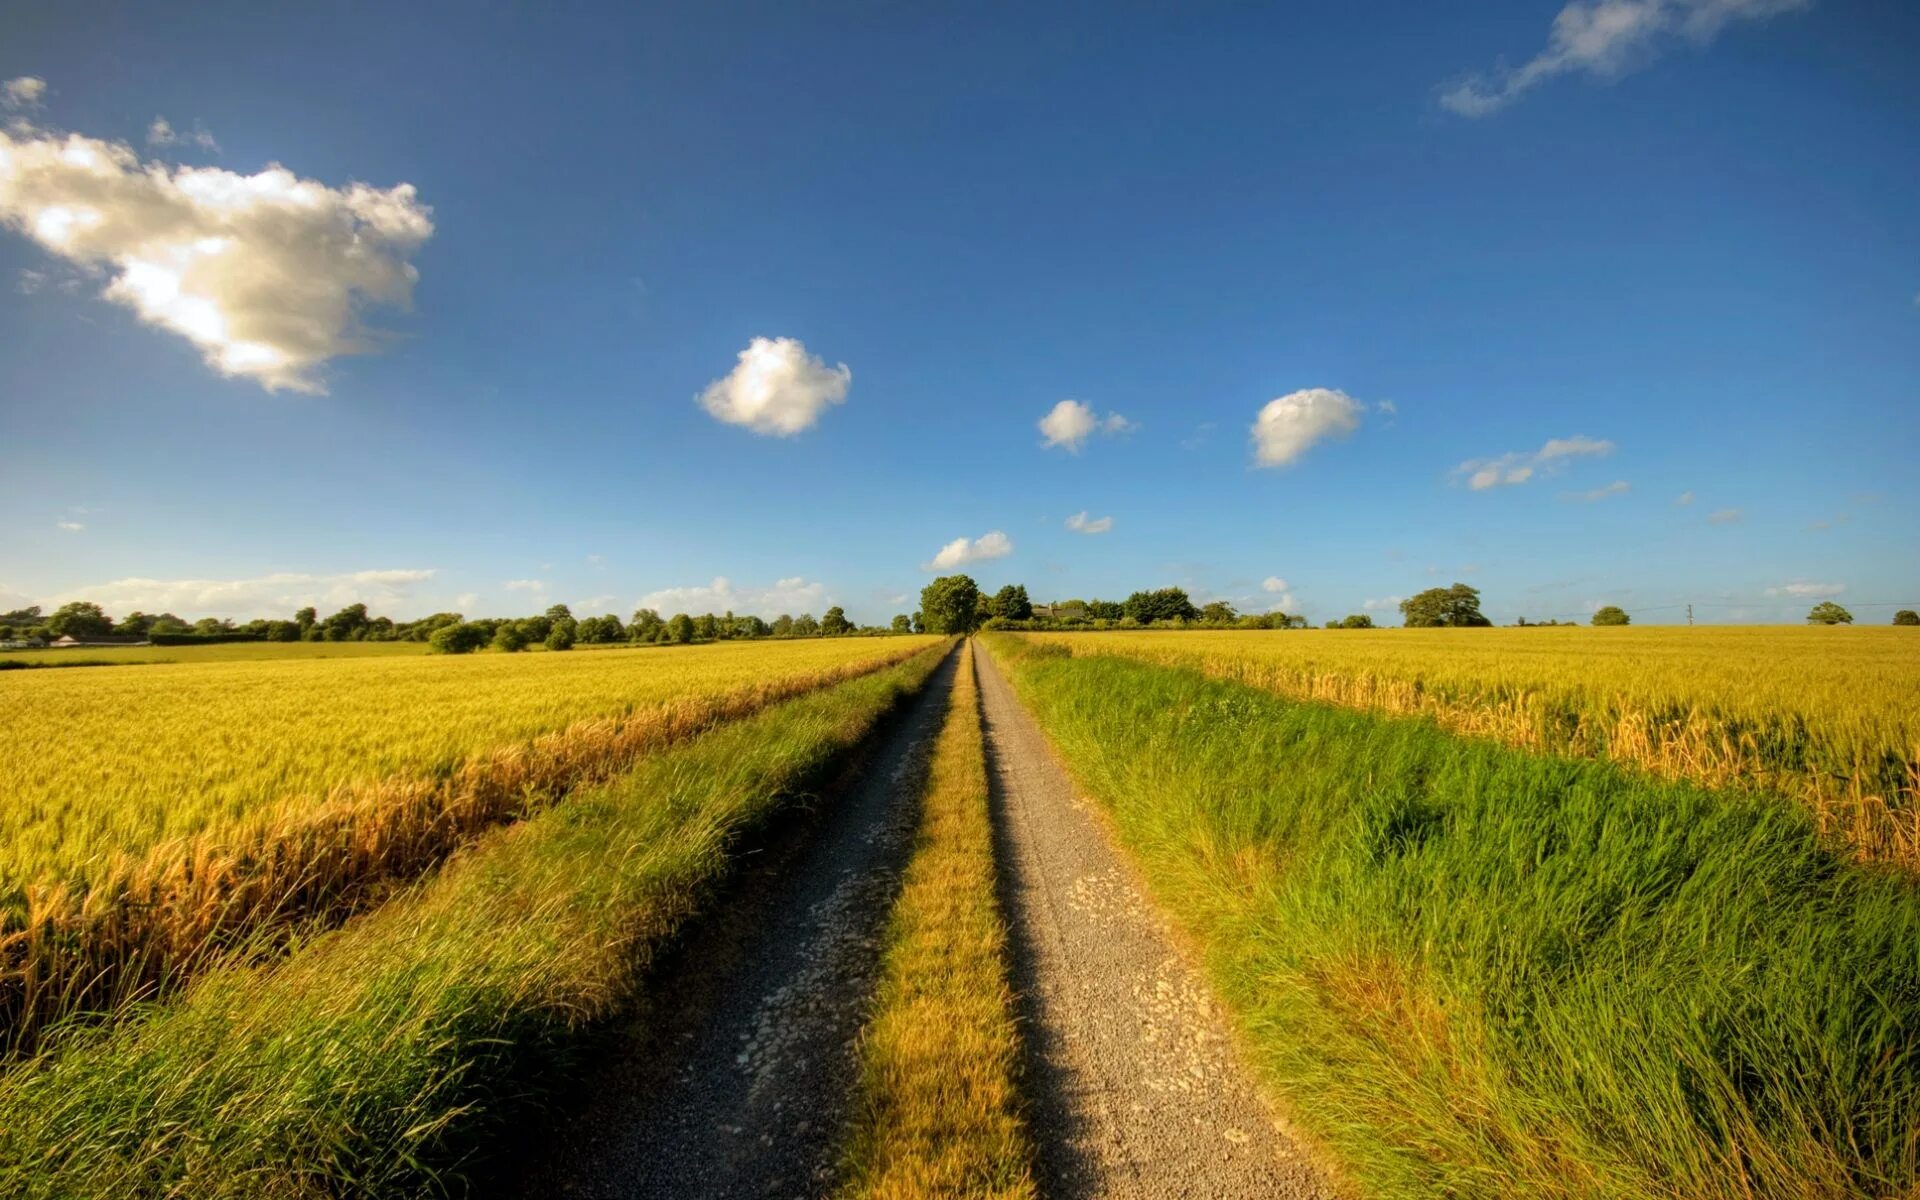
1476, 971
937, 1112
1824, 715
379, 1058
139, 924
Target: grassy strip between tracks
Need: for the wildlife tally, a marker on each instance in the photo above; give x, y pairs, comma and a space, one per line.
938, 1108
377, 1058
1474, 971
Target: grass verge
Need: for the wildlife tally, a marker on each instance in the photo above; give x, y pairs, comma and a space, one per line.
937, 1112
379, 1058
1480, 972
142, 926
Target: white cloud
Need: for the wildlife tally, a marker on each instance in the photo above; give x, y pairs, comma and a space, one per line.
525, 585
70, 526
1273, 583
793, 596
1080, 523
776, 389
266, 273
1519, 466
1288, 426
1683, 499
1070, 423
466, 602
24, 92
162, 133
961, 551
1604, 39
1804, 590
592, 604
1387, 603
1724, 516
1601, 493
276, 595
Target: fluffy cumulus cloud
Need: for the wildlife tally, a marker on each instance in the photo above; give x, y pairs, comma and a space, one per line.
1080, 522
1801, 589
266, 596
1518, 467
1279, 592
1290, 425
1070, 423
792, 596
267, 274
776, 388
1604, 39
961, 551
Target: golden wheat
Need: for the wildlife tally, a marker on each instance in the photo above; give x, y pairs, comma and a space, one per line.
1831, 716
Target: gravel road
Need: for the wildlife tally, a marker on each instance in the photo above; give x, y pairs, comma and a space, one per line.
737, 1083
1135, 1086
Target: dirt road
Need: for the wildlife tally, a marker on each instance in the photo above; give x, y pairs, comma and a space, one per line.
736, 1084
1135, 1087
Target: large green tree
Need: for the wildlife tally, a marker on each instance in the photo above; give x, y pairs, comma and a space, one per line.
80, 619
1454, 606
1166, 604
1011, 603
835, 623
1828, 613
951, 604
1611, 614
1906, 616
902, 623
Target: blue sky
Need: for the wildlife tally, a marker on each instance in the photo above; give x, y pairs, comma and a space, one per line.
1611, 256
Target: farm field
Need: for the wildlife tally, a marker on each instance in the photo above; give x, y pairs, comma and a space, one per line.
1831, 716
218, 652
1467, 969
306, 786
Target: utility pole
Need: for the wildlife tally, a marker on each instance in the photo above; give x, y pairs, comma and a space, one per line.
1689, 616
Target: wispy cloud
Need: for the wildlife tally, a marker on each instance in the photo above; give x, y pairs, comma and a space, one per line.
1380, 603
267, 274
1601, 493
793, 595
1604, 39
535, 586
162, 133
1081, 523
1519, 466
776, 388
961, 551
1724, 516
1070, 423
1803, 589
70, 526
266, 595
1683, 499
22, 93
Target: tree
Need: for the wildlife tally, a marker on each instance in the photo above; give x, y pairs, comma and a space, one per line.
81, 619
919, 621
1906, 616
347, 625
1218, 612
1166, 604
1828, 613
706, 627
951, 604
783, 625
463, 638
306, 618
559, 612
510, 637
561, 635
1106, 610
805, 625
1012, 603
645, 625
1611, 614
680, 628
1356, 621
835, 623
1455, 606
902, 623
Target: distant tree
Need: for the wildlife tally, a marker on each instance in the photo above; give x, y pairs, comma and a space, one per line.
1106, 610
306, 619
212, 626
1828, 613
134, 624
166, 622
680, 628
1611, 614
755, 627
562, 633
1012, 603
706, 627
1458, 605
806, 626
1218, 612
951, 604
19, 617
463, 638
1356, 621
645, 625
347, 625
1906, 616
902, 623
80, 619
835, 623
510, 637
559, 612
1166, 604
283, 631
919, 621
783, 626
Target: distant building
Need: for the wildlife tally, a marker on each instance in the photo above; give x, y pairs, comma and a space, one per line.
67, 640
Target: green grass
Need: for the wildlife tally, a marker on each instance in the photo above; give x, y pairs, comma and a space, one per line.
1472, 971
374, 1061
937, 1112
